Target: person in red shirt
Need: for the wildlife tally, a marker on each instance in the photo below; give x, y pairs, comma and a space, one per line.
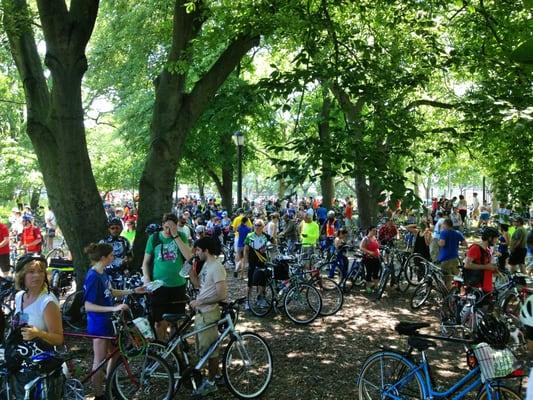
4, 250
478, 265
388, 232
31, 236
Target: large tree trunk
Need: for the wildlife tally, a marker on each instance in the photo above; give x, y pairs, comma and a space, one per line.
55, 117
327, 184
176, 111
35, 197
224, 186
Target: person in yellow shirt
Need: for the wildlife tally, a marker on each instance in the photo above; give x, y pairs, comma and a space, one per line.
238, 249
309, 234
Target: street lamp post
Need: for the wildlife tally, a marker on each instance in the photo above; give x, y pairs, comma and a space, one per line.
238, 138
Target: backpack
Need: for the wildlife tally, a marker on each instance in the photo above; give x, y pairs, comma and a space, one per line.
475, 277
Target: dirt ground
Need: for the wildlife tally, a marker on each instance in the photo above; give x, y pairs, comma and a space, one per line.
322, 360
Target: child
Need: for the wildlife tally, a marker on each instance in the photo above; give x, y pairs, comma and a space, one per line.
99, 305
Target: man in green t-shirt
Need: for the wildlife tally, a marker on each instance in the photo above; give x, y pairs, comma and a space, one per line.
167, 250
517, 247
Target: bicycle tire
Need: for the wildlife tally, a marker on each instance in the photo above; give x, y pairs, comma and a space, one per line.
160, 349
147, 377
73, 311
256, 307
415, 269
383, 281
331, 270
331, 294
303, 303
421, 294
499, 392
247, 359
449, 313
511, 305
382, 370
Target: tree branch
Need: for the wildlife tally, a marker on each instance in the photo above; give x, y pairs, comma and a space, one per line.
17, 24
206, 87
12, 102
350, 109
431, 103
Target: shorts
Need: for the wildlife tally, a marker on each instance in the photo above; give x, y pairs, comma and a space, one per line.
168, 300
450, 267
4, 263
307, 252
517, 256
207, 337
100, 325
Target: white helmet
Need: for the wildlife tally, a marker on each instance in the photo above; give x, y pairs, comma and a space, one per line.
526, 312
331, 213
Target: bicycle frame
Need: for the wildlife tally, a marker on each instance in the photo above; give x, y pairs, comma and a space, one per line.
179, 339
470, 382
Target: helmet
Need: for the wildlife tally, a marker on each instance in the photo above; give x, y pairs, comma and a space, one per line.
493, 332
26, 258
199, 229
526, 312
331, 213
27, 218
114, 221
489, 233
153, 228
224, 213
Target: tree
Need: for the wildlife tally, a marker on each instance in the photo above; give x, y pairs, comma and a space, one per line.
55, 112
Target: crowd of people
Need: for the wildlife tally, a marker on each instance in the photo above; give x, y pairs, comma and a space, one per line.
197, 229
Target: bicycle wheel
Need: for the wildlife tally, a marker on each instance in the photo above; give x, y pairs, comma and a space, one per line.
415, 269
331, 293
171, 358
511, 305
402, 281
498, 392
449, 312
73, 311
147, 377
388, 372
421, 294
303, 303
331, 270
260, 305
383, 280
247, 365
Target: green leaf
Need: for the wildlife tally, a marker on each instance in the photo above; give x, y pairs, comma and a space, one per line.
524, 53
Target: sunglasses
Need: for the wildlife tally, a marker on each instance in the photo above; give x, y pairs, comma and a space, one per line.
258, 226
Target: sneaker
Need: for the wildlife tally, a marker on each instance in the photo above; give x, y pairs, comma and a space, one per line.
207, 387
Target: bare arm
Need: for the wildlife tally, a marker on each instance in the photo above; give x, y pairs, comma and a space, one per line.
146, 272
97, 308
54, 327
186, 251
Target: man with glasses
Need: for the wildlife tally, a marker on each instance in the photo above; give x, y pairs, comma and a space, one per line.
121, 249
255, 247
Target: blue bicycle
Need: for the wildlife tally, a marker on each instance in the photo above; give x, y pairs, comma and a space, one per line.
389, 374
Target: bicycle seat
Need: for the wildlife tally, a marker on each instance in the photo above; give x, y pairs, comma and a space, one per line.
419, 343
175, 317
409, 328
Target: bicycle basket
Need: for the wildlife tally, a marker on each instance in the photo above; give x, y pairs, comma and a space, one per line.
494, 363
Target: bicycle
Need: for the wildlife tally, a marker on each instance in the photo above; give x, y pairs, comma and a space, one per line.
246, 362
390, 374
43, 366
138, 373
433, 280
301, 301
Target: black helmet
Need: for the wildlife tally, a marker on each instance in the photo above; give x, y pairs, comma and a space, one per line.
488, 233
493, 332
114, 221
26, 258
